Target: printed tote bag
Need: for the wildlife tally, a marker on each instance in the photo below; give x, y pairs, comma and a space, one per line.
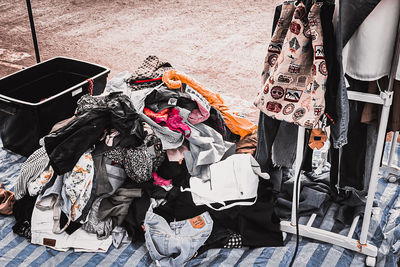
295, 70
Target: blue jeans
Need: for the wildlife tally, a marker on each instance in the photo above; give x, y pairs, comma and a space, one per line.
175, 243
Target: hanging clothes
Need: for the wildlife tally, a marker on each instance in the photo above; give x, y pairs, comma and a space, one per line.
372, 47
372, 112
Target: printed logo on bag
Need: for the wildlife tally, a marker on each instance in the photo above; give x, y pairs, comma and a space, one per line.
299, 113
319, 52
277, 92
301, 81
262, 100
271, 80
272, 59
274, 106
275, 48
197, 222
314, 35
284, 78
307, 32
288, 109
308, 123
293, 95
313, 22
299, 12
322, 68
266, 89
315, 86
294, 44
295, 27
280, 22
309, 88
294, 68
318, 110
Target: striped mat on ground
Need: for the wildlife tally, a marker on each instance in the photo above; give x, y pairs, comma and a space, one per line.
384, 232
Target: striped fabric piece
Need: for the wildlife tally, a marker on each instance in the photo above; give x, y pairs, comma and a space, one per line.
31, 168
384, 233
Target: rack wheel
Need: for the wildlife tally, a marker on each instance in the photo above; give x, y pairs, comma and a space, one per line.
370, 261
391, 178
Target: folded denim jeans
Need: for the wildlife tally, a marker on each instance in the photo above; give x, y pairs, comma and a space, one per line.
175, 243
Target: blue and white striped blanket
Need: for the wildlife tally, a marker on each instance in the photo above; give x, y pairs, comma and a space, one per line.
384, 233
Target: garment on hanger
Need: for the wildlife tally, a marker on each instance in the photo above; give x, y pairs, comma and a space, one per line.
368, 54
372, 112
351, 165
372, 47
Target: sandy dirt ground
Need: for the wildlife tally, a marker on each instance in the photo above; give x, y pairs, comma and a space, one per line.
221, 44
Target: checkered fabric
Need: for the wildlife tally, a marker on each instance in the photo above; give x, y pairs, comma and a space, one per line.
149, 73
235, 241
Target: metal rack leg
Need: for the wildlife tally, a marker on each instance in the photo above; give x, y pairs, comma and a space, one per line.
299, 159
374, 173
392, 148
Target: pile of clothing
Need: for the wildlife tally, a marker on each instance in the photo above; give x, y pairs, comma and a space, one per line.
157, 158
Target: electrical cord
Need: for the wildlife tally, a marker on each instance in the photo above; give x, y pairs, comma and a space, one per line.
297, 201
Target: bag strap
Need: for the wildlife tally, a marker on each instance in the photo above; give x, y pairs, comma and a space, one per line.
56, 218
224, 207
241, 203
204, 197
43, 208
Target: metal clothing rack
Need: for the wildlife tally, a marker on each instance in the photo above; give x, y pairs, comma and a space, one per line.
362, 246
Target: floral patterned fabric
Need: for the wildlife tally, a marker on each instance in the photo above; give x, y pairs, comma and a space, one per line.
35, 186
78, 185
139, 162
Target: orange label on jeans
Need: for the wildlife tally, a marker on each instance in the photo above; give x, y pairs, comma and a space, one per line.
197, 222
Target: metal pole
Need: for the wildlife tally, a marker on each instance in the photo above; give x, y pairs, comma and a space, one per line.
35, 44
392, 148
380, 142
299, 159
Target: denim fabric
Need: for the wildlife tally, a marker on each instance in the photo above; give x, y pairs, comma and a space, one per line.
175, 243
350, 16
351, 164
340, 128
314, 195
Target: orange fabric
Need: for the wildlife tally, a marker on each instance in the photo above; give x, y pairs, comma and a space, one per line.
238, 125
317, 139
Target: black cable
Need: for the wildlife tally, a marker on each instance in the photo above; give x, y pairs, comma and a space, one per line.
297, 202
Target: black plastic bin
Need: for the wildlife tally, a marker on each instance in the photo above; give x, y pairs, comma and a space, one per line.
34, 99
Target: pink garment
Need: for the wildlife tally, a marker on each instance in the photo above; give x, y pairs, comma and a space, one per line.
169, 117
177, 154
160, 181
198, 115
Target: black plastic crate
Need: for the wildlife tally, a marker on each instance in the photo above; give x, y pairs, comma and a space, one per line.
34, 99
